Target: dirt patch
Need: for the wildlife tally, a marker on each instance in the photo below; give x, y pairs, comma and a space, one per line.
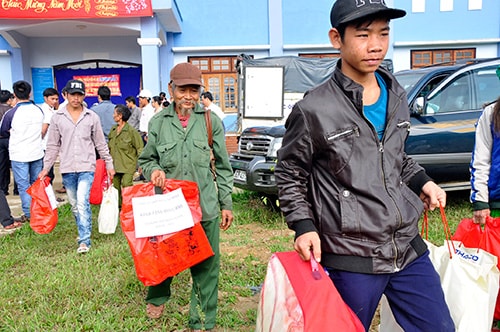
255, 240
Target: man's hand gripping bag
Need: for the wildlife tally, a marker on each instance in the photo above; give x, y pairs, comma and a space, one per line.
296, 298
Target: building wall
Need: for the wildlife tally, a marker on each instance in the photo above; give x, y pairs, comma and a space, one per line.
263, 28
430, 27
222, 23
458, 24
306, 22
53, 51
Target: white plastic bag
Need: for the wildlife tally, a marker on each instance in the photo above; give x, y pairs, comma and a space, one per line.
470, 281
109, 212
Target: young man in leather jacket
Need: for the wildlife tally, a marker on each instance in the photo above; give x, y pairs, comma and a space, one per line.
346, 186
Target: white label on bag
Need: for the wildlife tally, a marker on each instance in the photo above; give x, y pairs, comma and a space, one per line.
466, 256
161, 214
52, 197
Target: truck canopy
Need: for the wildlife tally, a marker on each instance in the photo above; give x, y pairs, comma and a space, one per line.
300, 74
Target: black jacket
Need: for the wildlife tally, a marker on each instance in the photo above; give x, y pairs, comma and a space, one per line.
337, 178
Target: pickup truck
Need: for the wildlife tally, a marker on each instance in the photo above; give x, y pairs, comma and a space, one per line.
445, 103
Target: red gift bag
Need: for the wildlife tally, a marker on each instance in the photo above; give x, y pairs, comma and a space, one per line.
43, 217
99, 184
294, 299
473, 236
159, 257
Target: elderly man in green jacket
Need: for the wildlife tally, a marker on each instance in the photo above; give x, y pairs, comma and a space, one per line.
178, 148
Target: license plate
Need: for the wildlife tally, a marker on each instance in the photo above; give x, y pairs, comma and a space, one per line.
240, 175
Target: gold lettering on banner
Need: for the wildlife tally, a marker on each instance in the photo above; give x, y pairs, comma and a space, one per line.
38, 7
35, 5
66, 5
106, 8
8, 4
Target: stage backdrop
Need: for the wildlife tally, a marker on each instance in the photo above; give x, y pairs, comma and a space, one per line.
123, 82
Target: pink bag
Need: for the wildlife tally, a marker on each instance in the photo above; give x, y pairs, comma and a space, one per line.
296, 298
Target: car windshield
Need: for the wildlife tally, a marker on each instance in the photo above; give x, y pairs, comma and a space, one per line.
408, 79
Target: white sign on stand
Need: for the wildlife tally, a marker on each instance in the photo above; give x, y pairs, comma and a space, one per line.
161, 214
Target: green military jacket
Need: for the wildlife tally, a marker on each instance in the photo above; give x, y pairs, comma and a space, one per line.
125, 147
184, 154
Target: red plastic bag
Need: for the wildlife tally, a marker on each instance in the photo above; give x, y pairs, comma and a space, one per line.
157, 258
43, 217
99, 184
292, 299
473, 236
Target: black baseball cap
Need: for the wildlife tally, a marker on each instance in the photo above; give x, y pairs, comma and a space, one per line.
344, 11
75, 86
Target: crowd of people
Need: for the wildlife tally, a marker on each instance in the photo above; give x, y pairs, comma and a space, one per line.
129, 138
346, 187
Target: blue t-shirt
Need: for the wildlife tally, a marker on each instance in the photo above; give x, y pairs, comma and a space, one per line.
376, 113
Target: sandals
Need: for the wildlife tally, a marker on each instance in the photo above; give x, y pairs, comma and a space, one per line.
154, 311
82, 249
14, 225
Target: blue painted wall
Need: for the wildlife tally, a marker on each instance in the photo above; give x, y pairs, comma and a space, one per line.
459, 24
305, 23
223, 23
228, 22
3, 44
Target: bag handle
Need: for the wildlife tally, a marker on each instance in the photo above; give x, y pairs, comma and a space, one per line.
446, 228
208, 121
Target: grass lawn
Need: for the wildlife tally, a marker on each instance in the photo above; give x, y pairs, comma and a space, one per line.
46, 286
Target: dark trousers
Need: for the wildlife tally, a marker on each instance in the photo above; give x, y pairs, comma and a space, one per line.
205, 275
414, 294
4, 166
5, 216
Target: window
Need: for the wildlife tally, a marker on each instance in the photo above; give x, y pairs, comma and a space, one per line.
469, 91
422, 58
319, 55
219, 77
456, 96
225, 64
487, 85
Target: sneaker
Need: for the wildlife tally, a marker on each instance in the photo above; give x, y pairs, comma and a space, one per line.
82, 249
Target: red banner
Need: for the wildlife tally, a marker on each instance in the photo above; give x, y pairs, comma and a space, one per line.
93, 82
68, 9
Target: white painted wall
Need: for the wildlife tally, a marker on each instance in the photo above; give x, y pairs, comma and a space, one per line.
46, 52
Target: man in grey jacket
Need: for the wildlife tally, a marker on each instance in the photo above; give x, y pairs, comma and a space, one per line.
105, 109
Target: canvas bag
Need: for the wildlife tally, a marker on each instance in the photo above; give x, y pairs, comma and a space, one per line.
109, 211
43, 207
293, 300
157, 258
472, 235
99, 183
470, 281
